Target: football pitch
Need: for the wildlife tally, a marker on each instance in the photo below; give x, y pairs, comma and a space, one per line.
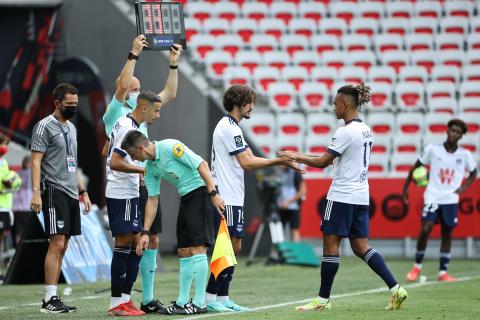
272, 292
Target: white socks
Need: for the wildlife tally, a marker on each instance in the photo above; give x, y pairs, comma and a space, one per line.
394, 288
209, 297
322, 300
116, 301
442, 272
50, 291
125, 298
222, 299
418, 265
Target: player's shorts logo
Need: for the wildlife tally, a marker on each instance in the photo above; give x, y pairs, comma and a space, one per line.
239, 227
178, 150
238, 141
60, 224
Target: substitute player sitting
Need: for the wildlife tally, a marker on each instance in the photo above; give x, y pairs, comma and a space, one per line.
448, 163
346, 211
174, 162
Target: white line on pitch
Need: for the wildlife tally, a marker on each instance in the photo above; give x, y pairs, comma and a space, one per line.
338, 296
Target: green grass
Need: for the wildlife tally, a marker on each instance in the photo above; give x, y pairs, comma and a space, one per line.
257, 286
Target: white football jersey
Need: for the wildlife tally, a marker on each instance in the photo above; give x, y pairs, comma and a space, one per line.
447, 171
121, 185
352, 145
228, 141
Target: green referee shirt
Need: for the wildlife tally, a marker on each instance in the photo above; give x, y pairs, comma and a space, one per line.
175, 163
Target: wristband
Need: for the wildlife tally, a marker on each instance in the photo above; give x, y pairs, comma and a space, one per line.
144, 232
173, 67
82, 192
132, 56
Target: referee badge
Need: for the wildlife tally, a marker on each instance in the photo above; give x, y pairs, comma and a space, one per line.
178, 150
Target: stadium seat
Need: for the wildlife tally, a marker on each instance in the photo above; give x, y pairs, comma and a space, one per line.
370, 10
458, 8
455, 25
422, 25
291, 124
473, 41
325, 75
245, 28
192, 27
273, 26
436, 123
283, 10
255, 10
353, 75
382, 123
355, 42
470, 89
262, 125
226, 10
382, 74
470, 142
294, 143
199, 10
335, 59
399, 9
277, 59
294, 75
364, 59
324, 42
237, 75
428, 9
425, 59
446, 105
446, 74
313, 96
469, 104
405, 144
395, 59
216, 26
216, 62
413, 74
399, 26
382, 144
368, 27
263, 43
448, 42
473, 57
264, 76
301, 26
471, 73
266, 144
475, 25
409, 96
402, 163
314, 11
293, 42
342, 10
439, 90
378, 164
333, 26
230, 43
317, 144
306, 59
381, 97
472, 119
321, 124
201, 44
387, 42
281, 96
411, 125
248, 59
414, 42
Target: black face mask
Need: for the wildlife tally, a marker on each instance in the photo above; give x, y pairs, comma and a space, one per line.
69, 112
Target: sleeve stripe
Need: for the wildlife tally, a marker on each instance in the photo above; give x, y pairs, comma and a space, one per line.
120, 152
39, 132
335, 153
237, 151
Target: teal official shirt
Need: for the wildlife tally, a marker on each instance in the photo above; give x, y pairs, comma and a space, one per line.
175, 163
115, 111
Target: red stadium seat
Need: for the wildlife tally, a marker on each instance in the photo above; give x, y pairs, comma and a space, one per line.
226, 10
273, 26
321, 124
473, 41
381, 98
448, 42
216, 62
382, 123
230, 43
263, 43
248, 59
355, 42
264, 76
400, 9
470, 142
473, 57
436, 123
291, 124
313, 96
306, 59
382, 74
395, 59
294, 75
469, 104
237, 75
262, 125
335, 59
255, 10
192, 27
416, 42
378, 165
245, 28
387, 42
472, 119
470, 89
405, 144
438, 90
325, 75
364, 59
455, 25
342, 10
312, 11
292, 43
402, 163
452, 58
281, 96
398, 26
333, 26
353, 75
322, 43
216, 26
368, 27
423, 58
382, 145
428, 9
410, 125
413, 74
409, 96
443, 105
370, 10
459, 8
424, 25
446, 74
278, 59
302, 26
201, 44
199, 10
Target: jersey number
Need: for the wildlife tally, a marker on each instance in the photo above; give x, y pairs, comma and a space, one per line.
110, 147
365, 152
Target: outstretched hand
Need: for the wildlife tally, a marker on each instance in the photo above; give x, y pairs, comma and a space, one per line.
138, 44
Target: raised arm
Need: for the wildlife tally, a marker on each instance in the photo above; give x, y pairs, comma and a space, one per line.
170, 91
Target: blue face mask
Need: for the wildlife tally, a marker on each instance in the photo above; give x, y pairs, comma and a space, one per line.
131, 99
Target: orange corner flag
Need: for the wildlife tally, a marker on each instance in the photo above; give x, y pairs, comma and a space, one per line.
223, 255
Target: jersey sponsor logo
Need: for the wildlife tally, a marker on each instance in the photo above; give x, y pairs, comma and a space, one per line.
238, 141
458, 161
446, 175
178, 150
